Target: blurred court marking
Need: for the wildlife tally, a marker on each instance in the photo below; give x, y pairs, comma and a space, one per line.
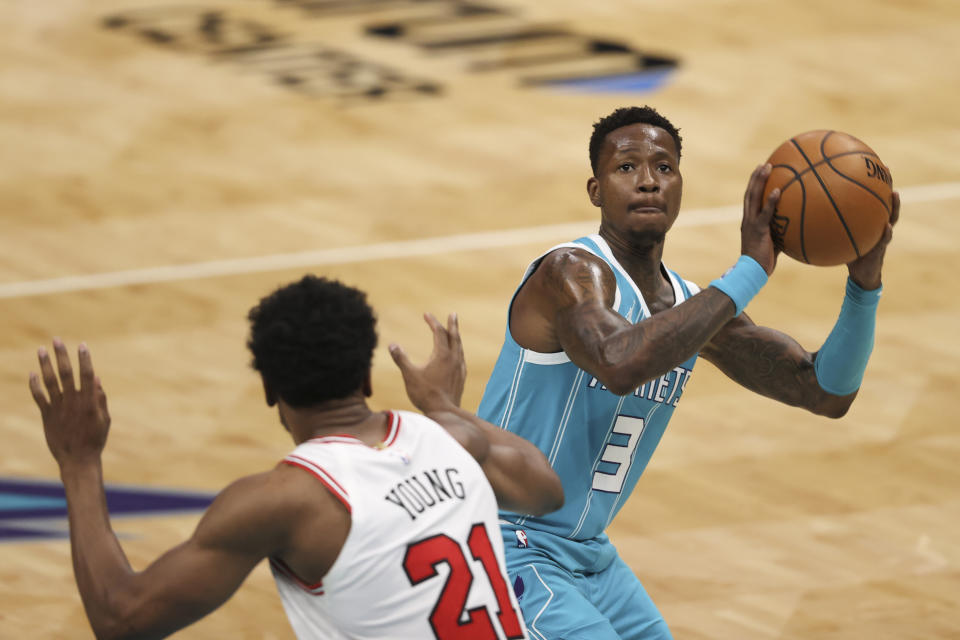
385, 250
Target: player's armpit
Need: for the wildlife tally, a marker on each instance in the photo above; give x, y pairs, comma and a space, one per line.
251, 519
772, 364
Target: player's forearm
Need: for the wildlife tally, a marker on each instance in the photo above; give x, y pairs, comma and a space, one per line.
773, 364
842, 360
636, 354
528, 484
826, 382
101, 569
517, 470
523, 483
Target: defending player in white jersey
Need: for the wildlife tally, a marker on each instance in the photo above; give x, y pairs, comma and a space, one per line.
378, 525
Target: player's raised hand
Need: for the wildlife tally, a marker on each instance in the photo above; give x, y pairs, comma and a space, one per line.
865, 270
755, 238
75, 421
438, 384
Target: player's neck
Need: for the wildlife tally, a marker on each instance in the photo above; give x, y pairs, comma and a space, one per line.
641, 257
343, 416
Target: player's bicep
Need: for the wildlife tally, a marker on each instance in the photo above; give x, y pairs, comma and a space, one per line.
565, 279
522, 479
518, 472
465, 431
186, 584
245, 524
583, 294
585, 331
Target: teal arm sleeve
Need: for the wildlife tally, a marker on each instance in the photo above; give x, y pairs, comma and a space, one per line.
742, 281
843, 358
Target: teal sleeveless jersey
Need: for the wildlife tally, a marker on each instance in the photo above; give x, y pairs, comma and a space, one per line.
598, 442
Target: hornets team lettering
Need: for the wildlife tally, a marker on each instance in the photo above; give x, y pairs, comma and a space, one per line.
667, 388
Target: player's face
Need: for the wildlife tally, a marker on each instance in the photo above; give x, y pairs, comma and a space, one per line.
638, 184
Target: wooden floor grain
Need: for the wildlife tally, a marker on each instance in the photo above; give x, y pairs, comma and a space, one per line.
150, 194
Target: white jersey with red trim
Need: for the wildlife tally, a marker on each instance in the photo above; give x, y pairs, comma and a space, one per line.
424, 556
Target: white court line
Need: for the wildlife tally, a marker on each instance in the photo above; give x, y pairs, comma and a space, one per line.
546, 234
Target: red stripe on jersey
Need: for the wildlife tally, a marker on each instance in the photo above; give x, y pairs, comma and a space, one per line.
394, 429
315, 589
323, 476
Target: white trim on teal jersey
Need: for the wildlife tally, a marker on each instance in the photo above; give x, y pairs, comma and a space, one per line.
537, 357
562, 427
647, 420
556, 357
678, 292
596, 461
608, 256
508, 410
533, 623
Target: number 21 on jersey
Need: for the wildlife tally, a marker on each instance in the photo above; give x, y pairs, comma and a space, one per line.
420, 563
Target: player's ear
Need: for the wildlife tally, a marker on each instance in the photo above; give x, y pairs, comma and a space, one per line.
593, 190
268, 393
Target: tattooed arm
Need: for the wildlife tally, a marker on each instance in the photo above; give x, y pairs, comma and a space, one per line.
773, 364
567, 304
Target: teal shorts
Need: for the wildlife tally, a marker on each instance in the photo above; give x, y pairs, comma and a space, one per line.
578, 590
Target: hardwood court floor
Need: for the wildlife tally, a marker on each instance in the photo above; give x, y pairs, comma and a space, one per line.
151, 193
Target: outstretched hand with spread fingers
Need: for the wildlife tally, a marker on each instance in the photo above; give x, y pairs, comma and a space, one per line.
75, 421
437, 385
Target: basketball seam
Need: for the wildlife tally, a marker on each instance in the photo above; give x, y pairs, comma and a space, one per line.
799, 175
886, 207
827, 191
803, 214
803, 205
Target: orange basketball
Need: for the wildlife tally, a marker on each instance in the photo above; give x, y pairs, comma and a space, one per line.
836, 197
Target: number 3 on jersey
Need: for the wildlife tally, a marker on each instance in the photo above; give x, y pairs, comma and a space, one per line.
420, 563
619, 454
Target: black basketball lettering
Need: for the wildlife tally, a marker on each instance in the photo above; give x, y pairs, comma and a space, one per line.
843, 201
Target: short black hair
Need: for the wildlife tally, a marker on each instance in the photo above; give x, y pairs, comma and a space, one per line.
623, 117
313, 340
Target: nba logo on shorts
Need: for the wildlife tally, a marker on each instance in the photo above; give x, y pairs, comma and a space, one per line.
521, 539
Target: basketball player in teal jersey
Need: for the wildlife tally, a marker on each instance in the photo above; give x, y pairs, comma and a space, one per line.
601, 341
